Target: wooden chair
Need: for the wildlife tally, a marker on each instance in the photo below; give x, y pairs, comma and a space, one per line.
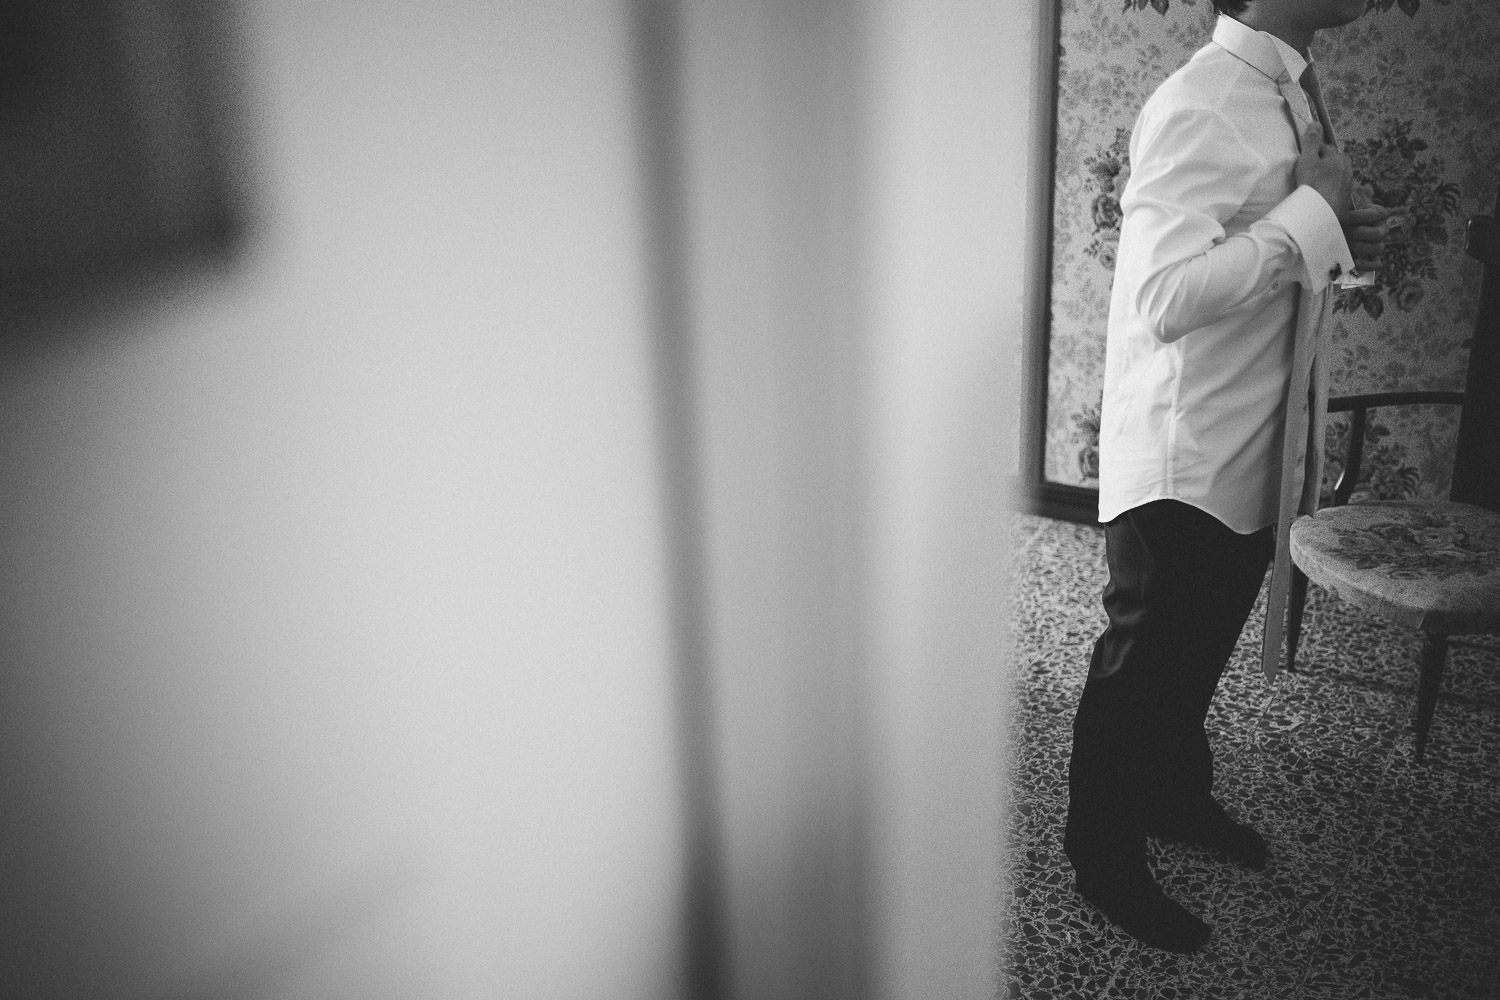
1433, 566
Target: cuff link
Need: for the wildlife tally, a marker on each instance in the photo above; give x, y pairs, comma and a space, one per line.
1335, 271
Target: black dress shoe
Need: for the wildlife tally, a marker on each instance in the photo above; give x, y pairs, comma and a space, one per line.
1206, 824
1135, 903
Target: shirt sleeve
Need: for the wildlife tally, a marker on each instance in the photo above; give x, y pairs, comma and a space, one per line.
1191, 173
1314, 227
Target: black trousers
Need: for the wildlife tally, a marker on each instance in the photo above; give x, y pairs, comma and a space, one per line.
1181, 585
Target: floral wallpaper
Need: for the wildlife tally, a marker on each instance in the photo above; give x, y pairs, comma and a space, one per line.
1413, 88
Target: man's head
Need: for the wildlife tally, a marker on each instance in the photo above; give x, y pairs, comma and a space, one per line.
1293, 21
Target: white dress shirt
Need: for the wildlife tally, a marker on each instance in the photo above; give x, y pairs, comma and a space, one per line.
1214, 242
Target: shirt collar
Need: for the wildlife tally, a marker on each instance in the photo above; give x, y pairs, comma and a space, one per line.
1291, 58
1264, 51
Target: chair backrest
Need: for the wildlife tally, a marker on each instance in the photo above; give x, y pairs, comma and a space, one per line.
1476, 464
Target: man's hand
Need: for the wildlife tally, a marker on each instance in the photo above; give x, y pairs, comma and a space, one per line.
1364, 231
1325, 169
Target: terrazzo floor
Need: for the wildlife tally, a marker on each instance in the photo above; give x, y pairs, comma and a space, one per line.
1385, 875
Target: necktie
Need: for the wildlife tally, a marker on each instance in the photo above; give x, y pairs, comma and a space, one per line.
1315, 97
1306, 404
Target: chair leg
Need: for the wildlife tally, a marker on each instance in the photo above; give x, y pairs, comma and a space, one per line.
1434, 656
1296, 598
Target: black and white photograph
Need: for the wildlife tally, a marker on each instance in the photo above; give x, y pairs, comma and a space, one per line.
750, 500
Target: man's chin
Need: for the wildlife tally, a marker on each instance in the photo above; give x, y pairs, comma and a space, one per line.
1350, 11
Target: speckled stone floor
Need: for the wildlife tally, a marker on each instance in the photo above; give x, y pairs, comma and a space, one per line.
1385, 875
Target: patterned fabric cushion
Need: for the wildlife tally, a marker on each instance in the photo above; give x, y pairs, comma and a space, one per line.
1429, 565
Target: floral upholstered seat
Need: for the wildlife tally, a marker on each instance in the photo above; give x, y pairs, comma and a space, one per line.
1431, 566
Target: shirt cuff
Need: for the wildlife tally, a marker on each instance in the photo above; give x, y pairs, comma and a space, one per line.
1312, 224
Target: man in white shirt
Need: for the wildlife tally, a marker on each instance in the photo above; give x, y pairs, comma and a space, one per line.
1239, 206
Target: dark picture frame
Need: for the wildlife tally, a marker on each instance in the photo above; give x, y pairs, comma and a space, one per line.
114, 143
